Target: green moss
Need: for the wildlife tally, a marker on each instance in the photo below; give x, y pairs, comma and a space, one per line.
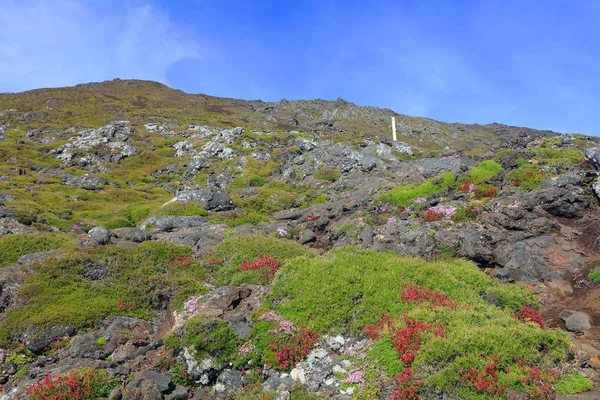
402, 196
181, 209
249, 248
141, 277
14, 246
573, 383
547, 142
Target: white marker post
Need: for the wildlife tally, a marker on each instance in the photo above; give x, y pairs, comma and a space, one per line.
394, 128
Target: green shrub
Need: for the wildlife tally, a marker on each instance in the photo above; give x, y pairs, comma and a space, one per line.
402, 196
273, 196
166, 152
364, 284
484, 171
14, 246
327, 175
238, 220
595, 275
248, 248
138, 280
573, 383
527, 177
504, 153
83, 384
349, 289
118, 222
552, 156
207, 337
180, 209
257, 181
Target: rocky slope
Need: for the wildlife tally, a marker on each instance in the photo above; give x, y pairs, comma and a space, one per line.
160, 240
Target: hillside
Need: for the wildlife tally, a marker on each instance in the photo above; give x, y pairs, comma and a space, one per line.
158, 244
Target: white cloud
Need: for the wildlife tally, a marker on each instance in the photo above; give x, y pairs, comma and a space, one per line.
65, 42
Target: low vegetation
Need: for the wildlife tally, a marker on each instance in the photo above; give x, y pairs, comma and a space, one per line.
247, 249
402, 196
14, 246
79, 289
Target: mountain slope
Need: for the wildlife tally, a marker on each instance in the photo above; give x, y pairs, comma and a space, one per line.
95, 104
174, 245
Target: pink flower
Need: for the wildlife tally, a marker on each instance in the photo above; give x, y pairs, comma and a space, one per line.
192, 302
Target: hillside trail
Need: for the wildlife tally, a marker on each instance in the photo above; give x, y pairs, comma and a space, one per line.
585, 297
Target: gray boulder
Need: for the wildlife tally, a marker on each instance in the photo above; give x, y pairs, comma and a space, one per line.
161, 382
97, 236
38, 341
229, 379
575, 321
307, 237
169, 223
87, 182
211, 201
592, 155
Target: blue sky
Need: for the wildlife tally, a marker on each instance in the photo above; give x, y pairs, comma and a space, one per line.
518, 62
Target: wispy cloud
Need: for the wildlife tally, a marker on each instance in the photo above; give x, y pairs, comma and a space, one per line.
64, 42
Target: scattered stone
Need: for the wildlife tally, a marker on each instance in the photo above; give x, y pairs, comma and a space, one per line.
97, 236
161, 382
307, 237
229, 379
211, 201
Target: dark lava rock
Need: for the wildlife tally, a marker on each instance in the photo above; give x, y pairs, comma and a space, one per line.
37, 342
161, 382
307, 237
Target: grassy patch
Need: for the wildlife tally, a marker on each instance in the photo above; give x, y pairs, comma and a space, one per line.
402, 196
331, 175
272, 197
181, 209
527, 177
484, 171
248, 248
573, 383
14, 246
207, 337
234, 220
137, 281
349, 289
